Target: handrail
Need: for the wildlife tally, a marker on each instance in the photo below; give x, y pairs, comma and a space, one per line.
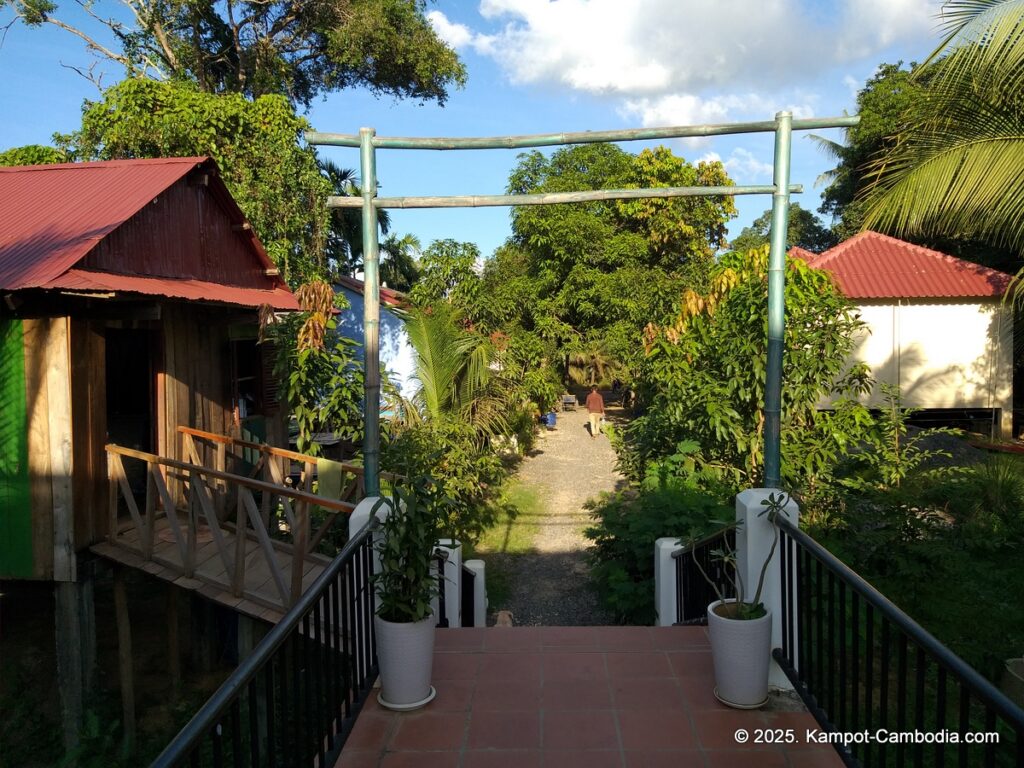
248, 482
271, 450
984, 689
206, 719
692, 545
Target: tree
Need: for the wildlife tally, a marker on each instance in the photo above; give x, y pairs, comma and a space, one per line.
448, 275
344, 246
805, 231
577, 266
32, 154
297, 48
276, 182
883, 105
399, 268
704, 374
954, 169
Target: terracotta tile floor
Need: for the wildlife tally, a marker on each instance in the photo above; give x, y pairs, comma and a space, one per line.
525, 697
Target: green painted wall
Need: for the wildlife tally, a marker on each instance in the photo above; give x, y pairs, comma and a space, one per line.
15, 501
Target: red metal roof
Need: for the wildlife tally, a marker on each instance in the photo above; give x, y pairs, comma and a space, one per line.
52, 216
871, 265
194, 290
387, 296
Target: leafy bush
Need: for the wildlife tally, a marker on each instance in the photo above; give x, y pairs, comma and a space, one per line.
627, 523
466, 474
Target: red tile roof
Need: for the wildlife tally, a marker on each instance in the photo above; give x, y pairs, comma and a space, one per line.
874, 266
52, 216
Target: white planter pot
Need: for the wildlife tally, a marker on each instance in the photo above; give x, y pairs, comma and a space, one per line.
741, 651
405, 652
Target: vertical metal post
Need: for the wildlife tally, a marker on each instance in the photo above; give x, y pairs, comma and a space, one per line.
776, 302
371, 315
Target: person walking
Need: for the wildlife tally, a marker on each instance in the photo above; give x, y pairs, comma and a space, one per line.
595, 406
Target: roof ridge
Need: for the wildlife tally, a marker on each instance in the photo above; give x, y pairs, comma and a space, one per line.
117, 163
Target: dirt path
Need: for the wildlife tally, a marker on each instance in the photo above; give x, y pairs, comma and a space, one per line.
550, 586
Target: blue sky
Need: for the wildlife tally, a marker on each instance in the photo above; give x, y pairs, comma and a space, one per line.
542, 66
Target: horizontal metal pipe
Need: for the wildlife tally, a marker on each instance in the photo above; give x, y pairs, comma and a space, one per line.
552, 198
580, 137
980, 687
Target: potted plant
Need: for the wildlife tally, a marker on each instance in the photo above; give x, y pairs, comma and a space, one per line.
405, 585
740, 628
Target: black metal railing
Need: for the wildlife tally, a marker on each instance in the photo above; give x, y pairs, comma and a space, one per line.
867, 671
295, 699
693, 592
440, 561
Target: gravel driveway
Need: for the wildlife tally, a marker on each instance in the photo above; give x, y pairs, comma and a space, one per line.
550, 586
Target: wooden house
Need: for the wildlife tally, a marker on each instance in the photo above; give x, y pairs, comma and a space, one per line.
129, 297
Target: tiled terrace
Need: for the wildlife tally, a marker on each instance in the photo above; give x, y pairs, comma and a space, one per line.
525, 697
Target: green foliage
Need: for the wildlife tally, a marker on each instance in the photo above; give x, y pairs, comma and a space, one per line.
448, 275
285, 47
405, 584
948, 169
703, 376
568, 277
464, 474
323, 385
32, 154
627, 524
276, 182
805, 231
882, 104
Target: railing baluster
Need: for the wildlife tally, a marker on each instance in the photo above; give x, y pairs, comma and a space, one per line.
831, 647
940, 716
842, 657
272, 665
855, 657
255, 724
348, 628
901, 696
236, 734
318, 677
965, 722
921, 664
883, 679
869, 683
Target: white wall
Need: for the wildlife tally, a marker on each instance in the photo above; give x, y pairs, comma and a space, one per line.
941, 354
396, 354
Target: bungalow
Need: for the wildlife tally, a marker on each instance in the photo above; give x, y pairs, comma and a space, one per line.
129, 298
936, 326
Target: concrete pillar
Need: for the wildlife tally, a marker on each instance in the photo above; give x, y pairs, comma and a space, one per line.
754, 538
665, 580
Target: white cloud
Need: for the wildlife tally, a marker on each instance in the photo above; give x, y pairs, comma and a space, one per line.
853, 85
456, 35
743, 166
650, 48
687, 109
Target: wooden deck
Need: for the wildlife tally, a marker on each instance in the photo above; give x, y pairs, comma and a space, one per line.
260, 596
183, 529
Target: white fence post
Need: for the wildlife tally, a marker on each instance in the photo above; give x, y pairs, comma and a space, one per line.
665, 580
479, 592
452, 583
754, 538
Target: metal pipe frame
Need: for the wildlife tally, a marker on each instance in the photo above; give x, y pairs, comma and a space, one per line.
783, 125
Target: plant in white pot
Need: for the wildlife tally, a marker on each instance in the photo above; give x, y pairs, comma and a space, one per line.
740, 628
405, 585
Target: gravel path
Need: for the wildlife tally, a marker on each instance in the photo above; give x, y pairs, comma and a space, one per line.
550, 586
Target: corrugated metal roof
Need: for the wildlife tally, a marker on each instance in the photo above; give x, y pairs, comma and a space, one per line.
195, 290
871, 265
52, 216
387, 296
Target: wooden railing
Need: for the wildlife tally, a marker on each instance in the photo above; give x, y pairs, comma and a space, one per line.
204, 496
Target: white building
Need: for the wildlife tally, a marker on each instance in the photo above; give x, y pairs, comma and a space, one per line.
936, 325
396, 354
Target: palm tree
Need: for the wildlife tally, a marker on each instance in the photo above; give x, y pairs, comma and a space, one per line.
957, 170
345, 239
456, 373
399, 257
592, 363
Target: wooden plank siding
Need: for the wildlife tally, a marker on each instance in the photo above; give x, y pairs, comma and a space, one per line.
183, 233
88, 429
